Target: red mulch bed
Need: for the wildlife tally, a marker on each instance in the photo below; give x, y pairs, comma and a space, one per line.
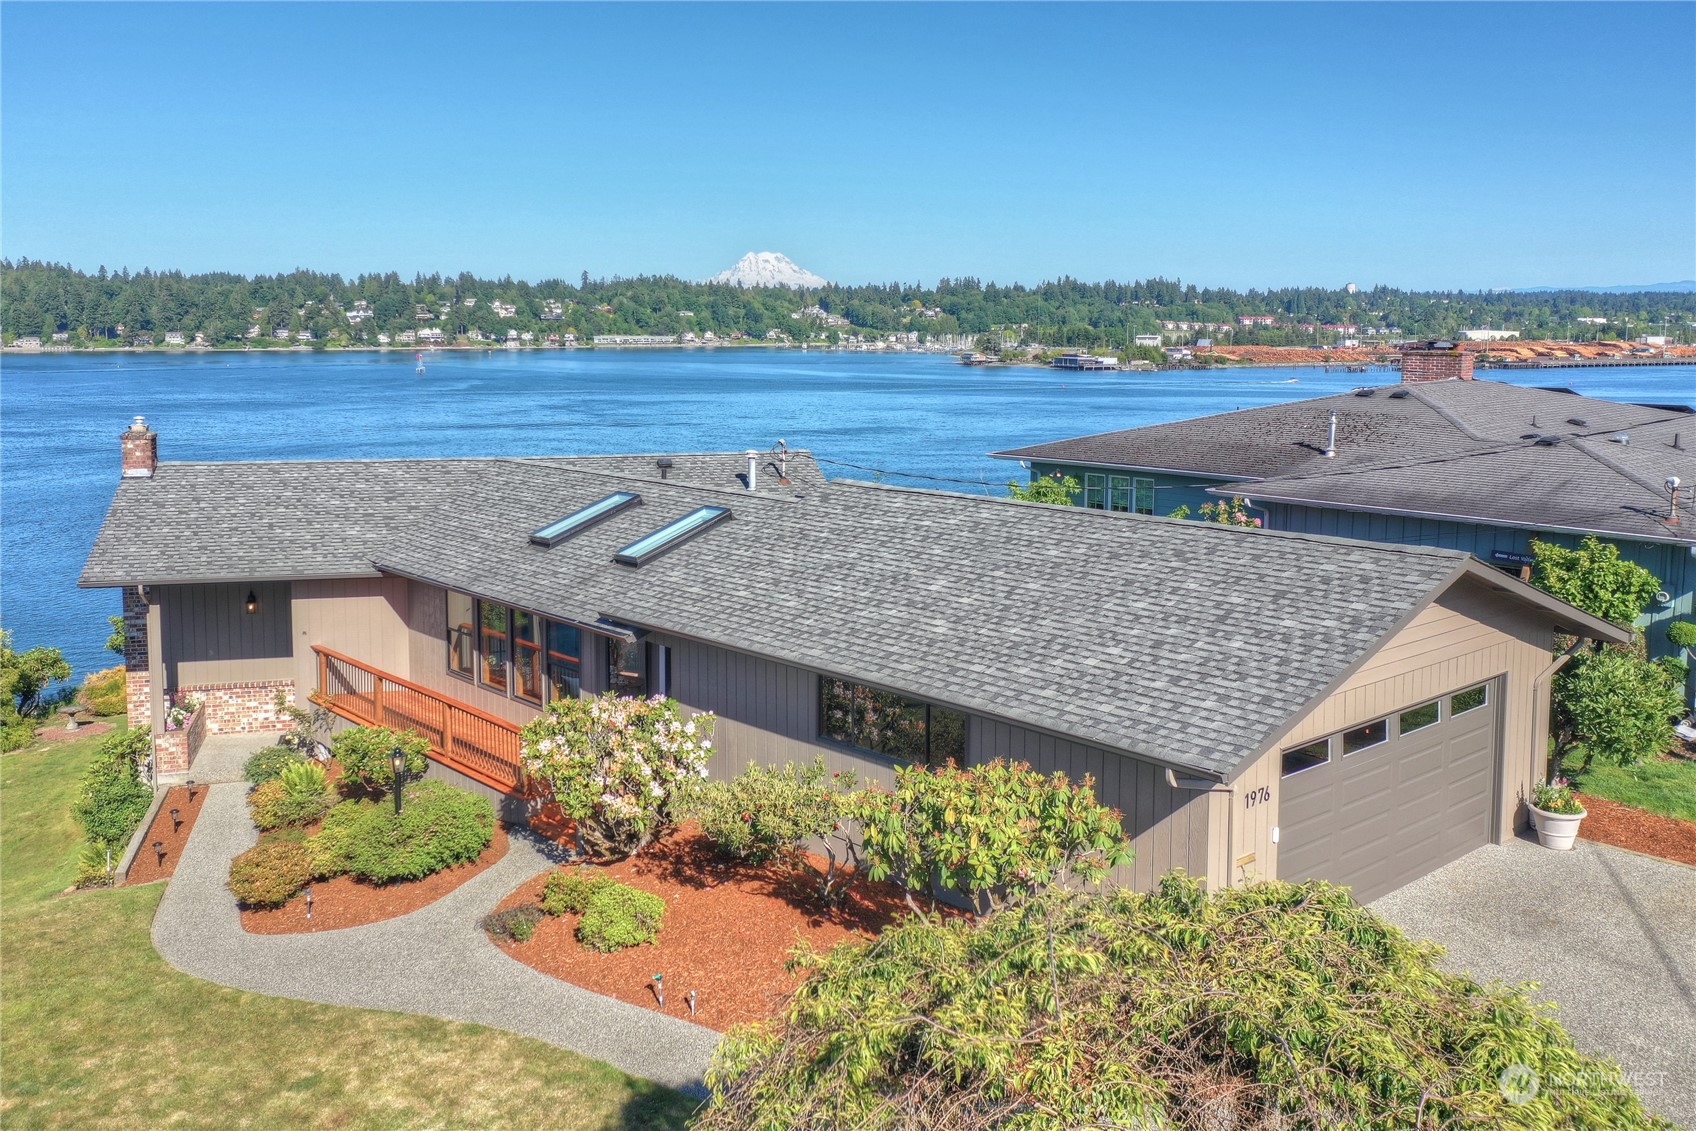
1622, 826
170, 833
728, 929
347, 902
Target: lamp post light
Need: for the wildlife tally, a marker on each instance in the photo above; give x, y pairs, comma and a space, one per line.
397, 762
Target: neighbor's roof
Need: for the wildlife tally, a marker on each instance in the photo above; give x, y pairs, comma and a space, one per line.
1189, 643
1464, 450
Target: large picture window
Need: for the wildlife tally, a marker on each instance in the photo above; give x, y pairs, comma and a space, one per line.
564, 673
462, 635
886, 723
624, 668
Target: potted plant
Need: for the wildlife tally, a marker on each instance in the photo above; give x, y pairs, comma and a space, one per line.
1557, 812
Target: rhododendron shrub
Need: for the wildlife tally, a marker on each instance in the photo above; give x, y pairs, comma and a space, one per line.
616, 764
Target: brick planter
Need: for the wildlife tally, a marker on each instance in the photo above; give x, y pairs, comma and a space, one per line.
174, 751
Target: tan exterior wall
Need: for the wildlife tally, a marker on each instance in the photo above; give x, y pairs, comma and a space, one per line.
360, 617
210, 639
1463, 638
425, 642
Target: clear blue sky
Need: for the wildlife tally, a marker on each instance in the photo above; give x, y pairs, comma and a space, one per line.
1417, 145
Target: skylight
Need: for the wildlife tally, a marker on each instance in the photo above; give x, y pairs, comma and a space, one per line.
671, 535
580, 520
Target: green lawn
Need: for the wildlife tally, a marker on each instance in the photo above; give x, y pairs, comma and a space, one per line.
96, 1031
1665, 785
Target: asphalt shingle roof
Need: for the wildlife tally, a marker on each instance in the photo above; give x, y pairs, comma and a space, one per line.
1186, 642
1463, 449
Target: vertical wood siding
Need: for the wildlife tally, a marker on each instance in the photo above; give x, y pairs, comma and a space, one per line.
210, 638
361, 617
1169, 828
1465, 637
426, 647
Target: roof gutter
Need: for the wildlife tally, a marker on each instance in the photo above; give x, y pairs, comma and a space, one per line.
1481, 520
1130, 467
85, 582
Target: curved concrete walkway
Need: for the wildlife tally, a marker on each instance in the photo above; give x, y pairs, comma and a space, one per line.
435, 961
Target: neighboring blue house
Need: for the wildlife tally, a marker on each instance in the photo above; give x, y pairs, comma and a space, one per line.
1471, 465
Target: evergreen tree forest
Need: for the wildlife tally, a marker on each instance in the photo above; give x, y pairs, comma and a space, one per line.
228, 310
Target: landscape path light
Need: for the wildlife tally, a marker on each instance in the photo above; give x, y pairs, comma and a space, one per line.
659, 989
308, 893
190, 784
159, 848
691, 1003
397, 762
176, 820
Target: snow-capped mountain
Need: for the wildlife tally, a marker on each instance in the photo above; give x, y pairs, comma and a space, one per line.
768, 269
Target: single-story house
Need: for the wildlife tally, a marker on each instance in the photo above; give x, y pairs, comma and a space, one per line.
1256, 703
1478, 466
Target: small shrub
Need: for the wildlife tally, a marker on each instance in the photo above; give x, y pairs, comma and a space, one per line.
766, 813
1682, 634
331, 845
113, 798
440, 826
270, 762
515, 924
270, 873
275, 807
363, 754
304, 779
96, 867
568, 893
618, 916
104, 692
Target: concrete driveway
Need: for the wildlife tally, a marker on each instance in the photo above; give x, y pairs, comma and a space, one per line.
1609, 935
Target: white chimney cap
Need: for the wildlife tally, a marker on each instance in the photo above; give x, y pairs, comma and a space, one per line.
140, 424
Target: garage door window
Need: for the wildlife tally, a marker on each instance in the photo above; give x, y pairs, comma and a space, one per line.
1420, 717
1366, 737
1469, 700
1299, 758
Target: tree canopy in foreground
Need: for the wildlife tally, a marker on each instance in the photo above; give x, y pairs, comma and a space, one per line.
1270, 1006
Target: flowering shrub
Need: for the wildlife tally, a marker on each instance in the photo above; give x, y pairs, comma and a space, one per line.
1556, 797
182, 709
1233, 513
363, 754
993, 832
615, 765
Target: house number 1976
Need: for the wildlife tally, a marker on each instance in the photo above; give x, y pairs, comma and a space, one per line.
1257, 797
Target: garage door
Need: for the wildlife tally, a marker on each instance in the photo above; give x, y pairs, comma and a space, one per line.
1382, 804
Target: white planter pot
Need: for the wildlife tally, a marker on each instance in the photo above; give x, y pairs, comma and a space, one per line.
1557, 830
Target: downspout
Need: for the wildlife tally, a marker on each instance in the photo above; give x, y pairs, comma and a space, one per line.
1546, 676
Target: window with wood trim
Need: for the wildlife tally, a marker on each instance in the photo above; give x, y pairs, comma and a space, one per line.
565, 673
493, 621
883, 722
527, 667
462, 635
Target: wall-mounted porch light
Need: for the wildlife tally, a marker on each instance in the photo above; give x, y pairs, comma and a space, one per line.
252, 605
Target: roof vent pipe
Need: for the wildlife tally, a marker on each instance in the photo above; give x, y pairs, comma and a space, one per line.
1331, 441
664, 464
753, 469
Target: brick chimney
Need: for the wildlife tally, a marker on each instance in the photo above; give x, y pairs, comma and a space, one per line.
141, 450
1435, 361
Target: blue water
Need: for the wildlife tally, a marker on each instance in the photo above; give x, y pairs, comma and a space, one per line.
910, 415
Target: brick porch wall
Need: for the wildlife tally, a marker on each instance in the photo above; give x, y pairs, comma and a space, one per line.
243, 708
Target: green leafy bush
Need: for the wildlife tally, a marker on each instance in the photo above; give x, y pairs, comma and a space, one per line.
1614, 705
270, 873
113, 799
1682, 634
993, 832
440, 826
1265, 1006
568, 892
615, 765
770, 813
299, 795
1595, 578
105, 692
363, 754
515, 924
618, 915
269, 762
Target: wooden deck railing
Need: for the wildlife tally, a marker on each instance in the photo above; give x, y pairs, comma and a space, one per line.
463, 738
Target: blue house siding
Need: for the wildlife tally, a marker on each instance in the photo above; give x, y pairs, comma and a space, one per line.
1672, 564
1170, 489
